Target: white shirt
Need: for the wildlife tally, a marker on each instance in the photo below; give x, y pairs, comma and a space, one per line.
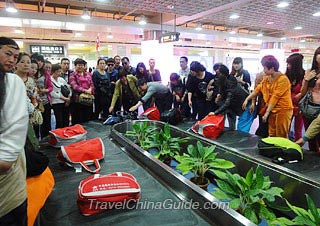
14, 119
13, 133
56, 92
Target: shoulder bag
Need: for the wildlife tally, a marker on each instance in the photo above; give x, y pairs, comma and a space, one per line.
309, 109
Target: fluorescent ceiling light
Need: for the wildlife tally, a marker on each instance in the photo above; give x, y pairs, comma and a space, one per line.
78, 34
45, 23
85, 14
110, 36
142, 21
234, 16
17, 31
232, 32
6, 21
283, 4
10, 8
316, 14
73, 45
199, 28
270, 22
298, 28
302, 40
259, 35
75, 26
283, 38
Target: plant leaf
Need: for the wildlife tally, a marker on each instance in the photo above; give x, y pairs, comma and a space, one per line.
221, 164
300, 220
266, 213
251, 215
235, 203
221, 195
299, 211
282, 221
249, 177
225, 187
220, 174
313, 209
259, 178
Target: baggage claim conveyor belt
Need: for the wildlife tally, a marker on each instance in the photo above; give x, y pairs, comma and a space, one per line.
61, 206
159, 184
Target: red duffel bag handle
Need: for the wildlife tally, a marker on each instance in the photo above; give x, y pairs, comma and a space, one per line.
96, 164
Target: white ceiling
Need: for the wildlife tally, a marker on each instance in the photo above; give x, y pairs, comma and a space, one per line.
213, 14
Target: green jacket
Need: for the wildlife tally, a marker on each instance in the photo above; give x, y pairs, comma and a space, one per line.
118, 89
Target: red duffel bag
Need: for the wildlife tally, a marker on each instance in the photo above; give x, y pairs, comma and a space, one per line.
67, 135
210, 126
152, 113
83, 153
101, 192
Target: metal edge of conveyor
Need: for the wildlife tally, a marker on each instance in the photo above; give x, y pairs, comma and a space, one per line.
179, 185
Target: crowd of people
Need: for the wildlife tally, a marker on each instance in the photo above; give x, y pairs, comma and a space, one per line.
30, 87
115, 85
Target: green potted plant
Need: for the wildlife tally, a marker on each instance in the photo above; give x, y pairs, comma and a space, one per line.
310, 217
199, 160
141, 132
168, 146
248, 195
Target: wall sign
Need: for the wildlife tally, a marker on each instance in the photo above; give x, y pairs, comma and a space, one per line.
169, 37
47, 49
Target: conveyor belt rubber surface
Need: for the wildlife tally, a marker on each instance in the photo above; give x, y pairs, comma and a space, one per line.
61, 207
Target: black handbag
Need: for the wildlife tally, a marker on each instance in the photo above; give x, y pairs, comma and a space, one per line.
36, 162
65, 91
172, 116
309, 109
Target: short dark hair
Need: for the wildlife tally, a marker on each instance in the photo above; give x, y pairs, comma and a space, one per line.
63, 59
269, 62
100, 60
216, 66
185, 58
21, 55
196, 66
47, 62
174, 77
116, 56
8, 41
110, 60
125, 58
79, 61
55, 67
122, 73
37, 57
141, 82
223, 69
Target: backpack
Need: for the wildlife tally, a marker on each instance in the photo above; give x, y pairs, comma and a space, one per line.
279, 147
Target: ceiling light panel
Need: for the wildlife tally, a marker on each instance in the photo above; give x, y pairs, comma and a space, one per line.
258, 13
181, 7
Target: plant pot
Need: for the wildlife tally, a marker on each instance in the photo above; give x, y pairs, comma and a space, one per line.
202, 182
167, 161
